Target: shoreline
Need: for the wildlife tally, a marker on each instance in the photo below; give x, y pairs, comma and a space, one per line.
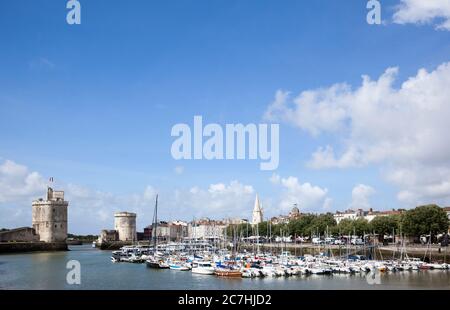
26, 247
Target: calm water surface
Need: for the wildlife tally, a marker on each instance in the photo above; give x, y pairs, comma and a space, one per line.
48, 271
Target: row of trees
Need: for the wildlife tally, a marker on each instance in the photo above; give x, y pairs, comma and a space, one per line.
416, 222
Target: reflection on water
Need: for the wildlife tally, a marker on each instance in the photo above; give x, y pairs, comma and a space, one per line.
48, 271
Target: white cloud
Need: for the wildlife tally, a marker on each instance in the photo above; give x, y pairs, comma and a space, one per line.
422, 183
91, 210
308, 197
217, 200
435, 12
313, 111
18, 183
179, 170
18, 187
403, 129
360, 197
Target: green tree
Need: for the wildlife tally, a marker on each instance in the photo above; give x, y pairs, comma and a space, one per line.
301, 226
323, 222
425, 219
312, 224
280, 229
345, 227
359, 227
263, 229
244, 230
384, 225
241, 230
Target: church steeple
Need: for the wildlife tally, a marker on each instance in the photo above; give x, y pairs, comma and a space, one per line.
257, 212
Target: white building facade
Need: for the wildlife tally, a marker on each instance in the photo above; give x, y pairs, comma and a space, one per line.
211, 230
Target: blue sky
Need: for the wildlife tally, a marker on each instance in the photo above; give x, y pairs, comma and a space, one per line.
93, 104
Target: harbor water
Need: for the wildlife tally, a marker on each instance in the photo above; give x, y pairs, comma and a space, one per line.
47, 270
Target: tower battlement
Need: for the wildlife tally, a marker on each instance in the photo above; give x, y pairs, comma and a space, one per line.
50, 217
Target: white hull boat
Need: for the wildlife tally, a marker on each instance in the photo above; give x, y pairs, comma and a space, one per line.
204, 268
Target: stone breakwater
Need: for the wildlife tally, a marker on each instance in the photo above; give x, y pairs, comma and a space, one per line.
116, 245
20, 247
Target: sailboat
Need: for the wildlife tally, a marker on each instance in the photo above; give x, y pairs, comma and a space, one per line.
155, 261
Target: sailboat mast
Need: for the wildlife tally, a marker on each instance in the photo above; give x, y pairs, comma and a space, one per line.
155, 240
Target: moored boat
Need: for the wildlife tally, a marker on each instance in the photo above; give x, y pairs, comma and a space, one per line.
229, 273
156, 264
205, 268
179, 267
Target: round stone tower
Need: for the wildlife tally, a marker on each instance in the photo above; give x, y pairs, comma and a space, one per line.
50, 217
125, 225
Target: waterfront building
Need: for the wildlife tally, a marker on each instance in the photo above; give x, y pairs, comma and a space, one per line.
281, 219
257, 212
447, 210
49, 217
370, 215
178, 230
148, 232
235, 221
167, 231
162, 231
295, 213
360, 213
207, 229
348, 214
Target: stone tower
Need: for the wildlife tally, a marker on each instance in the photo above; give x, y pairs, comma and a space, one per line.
50, 217
257, 212
125, 225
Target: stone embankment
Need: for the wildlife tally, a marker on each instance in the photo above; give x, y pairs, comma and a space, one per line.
20, 247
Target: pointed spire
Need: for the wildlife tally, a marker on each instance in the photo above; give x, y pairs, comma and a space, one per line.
256, 207
257, 212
